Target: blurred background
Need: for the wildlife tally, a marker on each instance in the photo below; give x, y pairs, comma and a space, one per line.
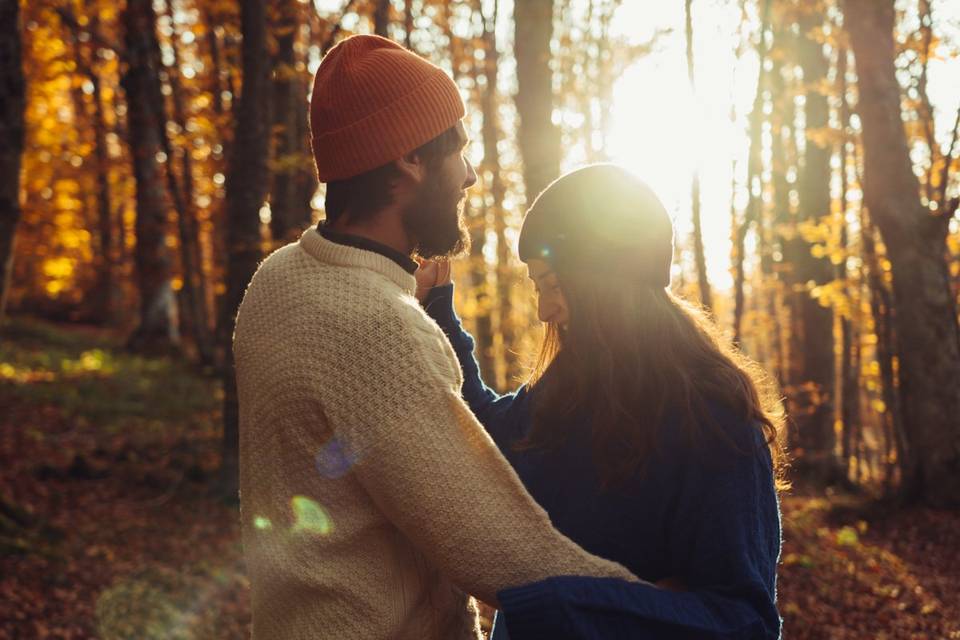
152, 152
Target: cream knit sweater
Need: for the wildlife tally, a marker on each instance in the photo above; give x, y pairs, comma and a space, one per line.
371, 497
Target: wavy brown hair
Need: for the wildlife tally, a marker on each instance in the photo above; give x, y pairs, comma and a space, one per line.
633, 355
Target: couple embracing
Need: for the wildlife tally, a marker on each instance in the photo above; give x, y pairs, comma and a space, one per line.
627, 490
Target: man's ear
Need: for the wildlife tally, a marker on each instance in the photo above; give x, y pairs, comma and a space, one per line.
412, 167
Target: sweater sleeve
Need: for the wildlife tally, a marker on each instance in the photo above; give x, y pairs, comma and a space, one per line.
430, 468
726, 549
494, 411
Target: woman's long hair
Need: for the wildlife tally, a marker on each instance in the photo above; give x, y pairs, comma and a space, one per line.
632, 355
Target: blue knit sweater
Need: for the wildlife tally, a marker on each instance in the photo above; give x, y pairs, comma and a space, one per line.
708, 516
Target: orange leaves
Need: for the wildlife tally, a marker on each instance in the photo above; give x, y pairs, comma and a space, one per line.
852, 570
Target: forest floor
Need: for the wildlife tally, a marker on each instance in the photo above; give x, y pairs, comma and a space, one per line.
110, 528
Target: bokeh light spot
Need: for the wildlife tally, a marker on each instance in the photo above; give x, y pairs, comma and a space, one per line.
310, 517
334, 460
262, 523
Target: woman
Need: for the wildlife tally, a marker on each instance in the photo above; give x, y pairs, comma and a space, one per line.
644, 437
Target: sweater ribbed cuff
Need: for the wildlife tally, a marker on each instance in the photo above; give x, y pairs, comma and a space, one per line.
439, 306
532, 611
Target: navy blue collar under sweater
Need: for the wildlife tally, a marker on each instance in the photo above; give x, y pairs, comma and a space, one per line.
708, 519
359, 242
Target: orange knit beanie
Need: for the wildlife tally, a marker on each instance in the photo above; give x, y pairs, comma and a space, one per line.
374, 101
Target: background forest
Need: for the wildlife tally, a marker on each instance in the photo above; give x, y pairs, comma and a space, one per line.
152, 152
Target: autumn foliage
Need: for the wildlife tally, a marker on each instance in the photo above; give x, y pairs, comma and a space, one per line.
151, 153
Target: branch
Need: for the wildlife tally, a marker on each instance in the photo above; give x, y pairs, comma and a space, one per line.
67, 17
337, 28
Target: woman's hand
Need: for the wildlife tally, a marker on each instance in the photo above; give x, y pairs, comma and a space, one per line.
430, 274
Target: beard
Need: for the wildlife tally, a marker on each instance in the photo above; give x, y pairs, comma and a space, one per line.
435, 219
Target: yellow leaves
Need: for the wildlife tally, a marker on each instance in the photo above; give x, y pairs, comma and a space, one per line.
66, 200
833, 295
59, 273
824, 137
59, 267
815, 231
847, 537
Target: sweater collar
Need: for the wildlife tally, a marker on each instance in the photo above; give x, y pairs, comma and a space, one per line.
402, 259
344, 255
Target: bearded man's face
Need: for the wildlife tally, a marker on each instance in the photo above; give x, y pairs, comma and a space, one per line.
434, 218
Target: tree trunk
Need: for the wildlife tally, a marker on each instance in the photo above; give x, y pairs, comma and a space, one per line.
849, 383
381, 18
106, 295
881, 308
815, 439
158, 327
294, 179
781, 118
108, 290
537, 136
755, 204
408, 24
12, 105
925, 314
481, 278
194, 284
706, 299
247, 184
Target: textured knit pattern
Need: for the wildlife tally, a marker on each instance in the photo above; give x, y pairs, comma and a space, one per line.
371, 498
374, 101
707, 516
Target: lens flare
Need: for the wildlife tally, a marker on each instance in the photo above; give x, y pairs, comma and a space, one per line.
309, 516
262, 523
334, 461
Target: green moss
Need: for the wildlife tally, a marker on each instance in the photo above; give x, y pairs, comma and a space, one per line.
92, 378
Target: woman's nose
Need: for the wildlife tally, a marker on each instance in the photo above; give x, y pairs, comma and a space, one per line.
544, 311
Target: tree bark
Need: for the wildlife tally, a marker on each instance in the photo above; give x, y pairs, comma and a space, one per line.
849, 382
925, 314
247, 183
755, 203
381, 18
537, 136
294, 179
706, 299
193, 290
106, 295
109, 292
781, 119
815, 439
491, 170
12, 127
408, 24
158, 327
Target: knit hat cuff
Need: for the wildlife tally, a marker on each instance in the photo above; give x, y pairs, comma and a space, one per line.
433, 107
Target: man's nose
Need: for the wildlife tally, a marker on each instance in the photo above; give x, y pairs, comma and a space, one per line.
471, 176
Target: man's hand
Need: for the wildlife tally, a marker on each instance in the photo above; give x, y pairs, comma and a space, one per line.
430, 274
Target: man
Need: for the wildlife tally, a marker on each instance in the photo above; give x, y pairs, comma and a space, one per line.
371, 498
